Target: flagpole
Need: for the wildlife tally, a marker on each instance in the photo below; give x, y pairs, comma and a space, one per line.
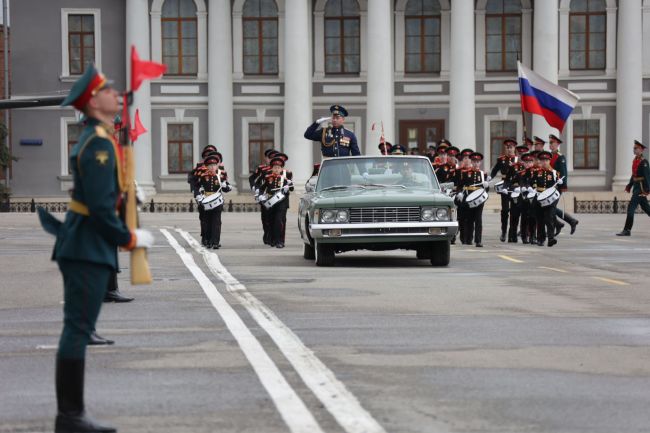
521, 105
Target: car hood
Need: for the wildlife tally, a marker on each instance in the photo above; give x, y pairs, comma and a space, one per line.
380, 197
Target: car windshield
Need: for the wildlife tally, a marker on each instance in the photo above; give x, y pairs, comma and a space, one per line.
398, 172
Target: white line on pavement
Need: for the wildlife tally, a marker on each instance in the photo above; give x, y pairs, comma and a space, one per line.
292, 409
336, 398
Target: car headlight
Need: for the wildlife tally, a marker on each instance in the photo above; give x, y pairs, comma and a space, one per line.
327, 215
342, 216
427, 214
442, 214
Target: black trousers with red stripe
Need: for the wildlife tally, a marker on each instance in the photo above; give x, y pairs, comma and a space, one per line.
278, 221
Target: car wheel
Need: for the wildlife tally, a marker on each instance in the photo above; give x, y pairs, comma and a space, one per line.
324, 254
308, 252
440, 253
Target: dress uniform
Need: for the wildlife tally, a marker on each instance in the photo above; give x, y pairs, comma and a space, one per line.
538, 144
639, 185
214, 180
459, 176
474, 179
513, 182
385, 147
503, 166
278, 180
527, 218
193, 178
334, 139
558, 163
87, 241
545, 177
255, 181
398, 149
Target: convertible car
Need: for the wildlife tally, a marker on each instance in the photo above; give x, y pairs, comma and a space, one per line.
376, 203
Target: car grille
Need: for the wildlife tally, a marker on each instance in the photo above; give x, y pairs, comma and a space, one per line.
384, 215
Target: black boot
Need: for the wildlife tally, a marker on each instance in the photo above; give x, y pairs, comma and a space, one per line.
98, 340
116, 296
71, 416
559, 226
572, 222
627, 229
502, 238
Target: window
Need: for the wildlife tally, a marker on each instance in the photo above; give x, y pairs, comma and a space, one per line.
74, 131
422, 50
81, 42
180, 138
260, 21
342, 37
587, 34
260, 138
586, 144
179, 37
499, 131
502, 35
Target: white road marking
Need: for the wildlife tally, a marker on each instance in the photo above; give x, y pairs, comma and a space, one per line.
334, 395
292, 409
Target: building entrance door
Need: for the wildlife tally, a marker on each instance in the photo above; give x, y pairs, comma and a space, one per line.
421, 133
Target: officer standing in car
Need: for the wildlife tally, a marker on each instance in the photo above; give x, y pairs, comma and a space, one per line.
334, 139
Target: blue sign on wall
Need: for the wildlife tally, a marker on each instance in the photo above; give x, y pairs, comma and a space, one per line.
31, 142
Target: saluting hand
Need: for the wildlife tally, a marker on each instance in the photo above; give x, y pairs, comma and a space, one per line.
323, 120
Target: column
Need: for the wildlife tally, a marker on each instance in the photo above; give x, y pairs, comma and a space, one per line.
545, 53
527, 37
564, 36
220, 105
646, 35
445, 34
297, 89
611, 41
462, 118
479, 39
380, 105
629, 89
137, 34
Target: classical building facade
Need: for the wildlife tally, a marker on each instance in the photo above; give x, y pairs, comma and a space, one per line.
245, 75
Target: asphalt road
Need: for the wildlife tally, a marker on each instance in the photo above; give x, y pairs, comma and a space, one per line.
508, 338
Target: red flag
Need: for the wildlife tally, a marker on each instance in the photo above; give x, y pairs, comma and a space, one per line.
138, 129
143, 70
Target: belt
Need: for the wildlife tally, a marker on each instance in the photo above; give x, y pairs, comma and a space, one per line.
208, 193
472, 188
78, 207
541, 189
638, 179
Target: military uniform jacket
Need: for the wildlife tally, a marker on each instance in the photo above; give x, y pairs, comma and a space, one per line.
98, 184
445, 172
333, 141
502, 165
193, 178
542, 179
558, 162
273, 182
256, 179
514, 175
640, 179
471, 178
214, 182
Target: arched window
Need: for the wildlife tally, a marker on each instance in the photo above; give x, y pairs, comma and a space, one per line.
422, 40
260, 20
179, 37
502, 35
587, 34
342, 37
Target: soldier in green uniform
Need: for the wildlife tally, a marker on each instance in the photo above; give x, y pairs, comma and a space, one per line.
87, 241
639, 185
558, 163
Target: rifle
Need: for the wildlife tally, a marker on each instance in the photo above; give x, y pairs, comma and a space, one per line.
44, 101
140, 272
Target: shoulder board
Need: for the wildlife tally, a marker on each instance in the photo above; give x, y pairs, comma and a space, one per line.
101, 132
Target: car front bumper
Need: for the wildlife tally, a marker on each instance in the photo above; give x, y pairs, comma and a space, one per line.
384, 232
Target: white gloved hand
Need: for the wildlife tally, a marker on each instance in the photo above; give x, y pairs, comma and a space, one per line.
139, 193
257, 192
263, 197
485, 184
198, 198
489, 178
531, 190
517, 190
285, 189
560, 181
323, 120
143, 238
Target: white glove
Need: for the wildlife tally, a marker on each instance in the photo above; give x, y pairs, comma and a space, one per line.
139, 193
257, 192
198, 198
323, 120
560, 181
285, 189
531, 190
517, 190
489, 178
263, 197
143, 238
485, 184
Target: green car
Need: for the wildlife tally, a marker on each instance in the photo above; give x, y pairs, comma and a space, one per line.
376, 203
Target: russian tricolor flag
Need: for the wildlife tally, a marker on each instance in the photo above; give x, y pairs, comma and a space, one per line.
540, 96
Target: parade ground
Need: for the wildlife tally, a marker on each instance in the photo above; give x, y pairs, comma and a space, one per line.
248, 338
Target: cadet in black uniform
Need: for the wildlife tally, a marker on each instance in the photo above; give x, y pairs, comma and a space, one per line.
193, 178
256, 180
474, 179
214, 181
544, 178
639, 185
527, 218
513, 182
335, 140
503, 166
278, 180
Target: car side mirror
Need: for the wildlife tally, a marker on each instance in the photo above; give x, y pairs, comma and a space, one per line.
447, 186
